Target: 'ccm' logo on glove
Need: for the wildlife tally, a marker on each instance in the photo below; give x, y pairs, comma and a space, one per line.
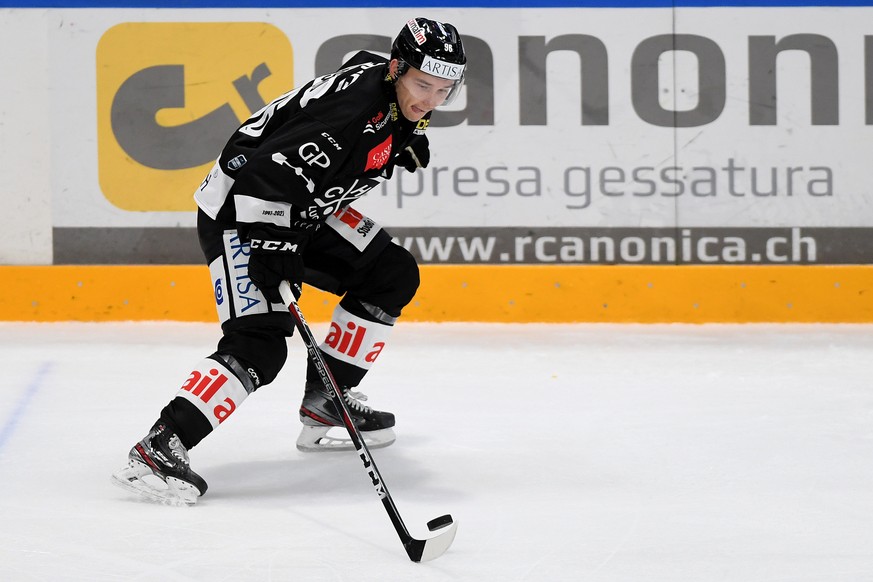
275, 246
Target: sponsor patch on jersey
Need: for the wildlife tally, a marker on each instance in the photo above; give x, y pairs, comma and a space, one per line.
353, 226
421, 126
237, 162
376, 123
379, 155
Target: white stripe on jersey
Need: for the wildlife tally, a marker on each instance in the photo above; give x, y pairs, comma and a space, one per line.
213, 191
249, 209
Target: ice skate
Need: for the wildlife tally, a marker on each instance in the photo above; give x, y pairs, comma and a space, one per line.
320, 417
158, 469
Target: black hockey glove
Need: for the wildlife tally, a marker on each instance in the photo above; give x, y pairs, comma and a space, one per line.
275, 256
415, 155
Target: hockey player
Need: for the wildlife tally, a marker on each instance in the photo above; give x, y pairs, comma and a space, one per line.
275, 207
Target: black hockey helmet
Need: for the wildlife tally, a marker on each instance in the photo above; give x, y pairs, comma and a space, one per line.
434, 48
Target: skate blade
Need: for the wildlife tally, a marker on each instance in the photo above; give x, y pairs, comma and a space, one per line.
315, 439
138, 478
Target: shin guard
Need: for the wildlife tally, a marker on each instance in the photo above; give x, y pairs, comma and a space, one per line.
354, 343
214, 389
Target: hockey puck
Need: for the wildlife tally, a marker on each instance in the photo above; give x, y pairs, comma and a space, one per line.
439, 522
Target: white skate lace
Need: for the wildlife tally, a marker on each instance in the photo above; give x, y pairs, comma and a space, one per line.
355, 399
178, 449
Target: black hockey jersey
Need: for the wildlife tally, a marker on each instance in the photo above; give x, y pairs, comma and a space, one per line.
311, 151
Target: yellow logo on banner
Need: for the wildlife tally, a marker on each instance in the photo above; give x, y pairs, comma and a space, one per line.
170, 94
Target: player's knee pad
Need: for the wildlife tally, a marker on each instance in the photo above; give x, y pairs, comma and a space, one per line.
258, 353
391, 282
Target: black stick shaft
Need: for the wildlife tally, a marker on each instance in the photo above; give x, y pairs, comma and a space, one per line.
357, 440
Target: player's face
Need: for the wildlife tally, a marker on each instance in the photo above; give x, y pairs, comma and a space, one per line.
418, 93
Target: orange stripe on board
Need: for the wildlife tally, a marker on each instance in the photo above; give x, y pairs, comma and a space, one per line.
498, 293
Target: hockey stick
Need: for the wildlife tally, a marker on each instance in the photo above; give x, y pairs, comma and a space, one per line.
418, 550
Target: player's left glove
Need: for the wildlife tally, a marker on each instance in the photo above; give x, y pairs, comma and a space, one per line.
275, 256
415, 155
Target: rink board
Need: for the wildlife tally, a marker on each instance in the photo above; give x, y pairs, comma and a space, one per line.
508, 293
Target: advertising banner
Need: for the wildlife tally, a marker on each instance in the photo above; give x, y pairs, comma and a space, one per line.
725, 135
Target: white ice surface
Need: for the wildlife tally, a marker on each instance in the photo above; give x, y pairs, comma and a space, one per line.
594, 453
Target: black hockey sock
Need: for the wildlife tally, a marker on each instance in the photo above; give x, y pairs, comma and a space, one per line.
186, 421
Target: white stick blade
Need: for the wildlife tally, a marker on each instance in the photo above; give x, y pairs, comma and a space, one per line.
437, 546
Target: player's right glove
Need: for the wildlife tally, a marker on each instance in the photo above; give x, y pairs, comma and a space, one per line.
275, 256
415, 155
